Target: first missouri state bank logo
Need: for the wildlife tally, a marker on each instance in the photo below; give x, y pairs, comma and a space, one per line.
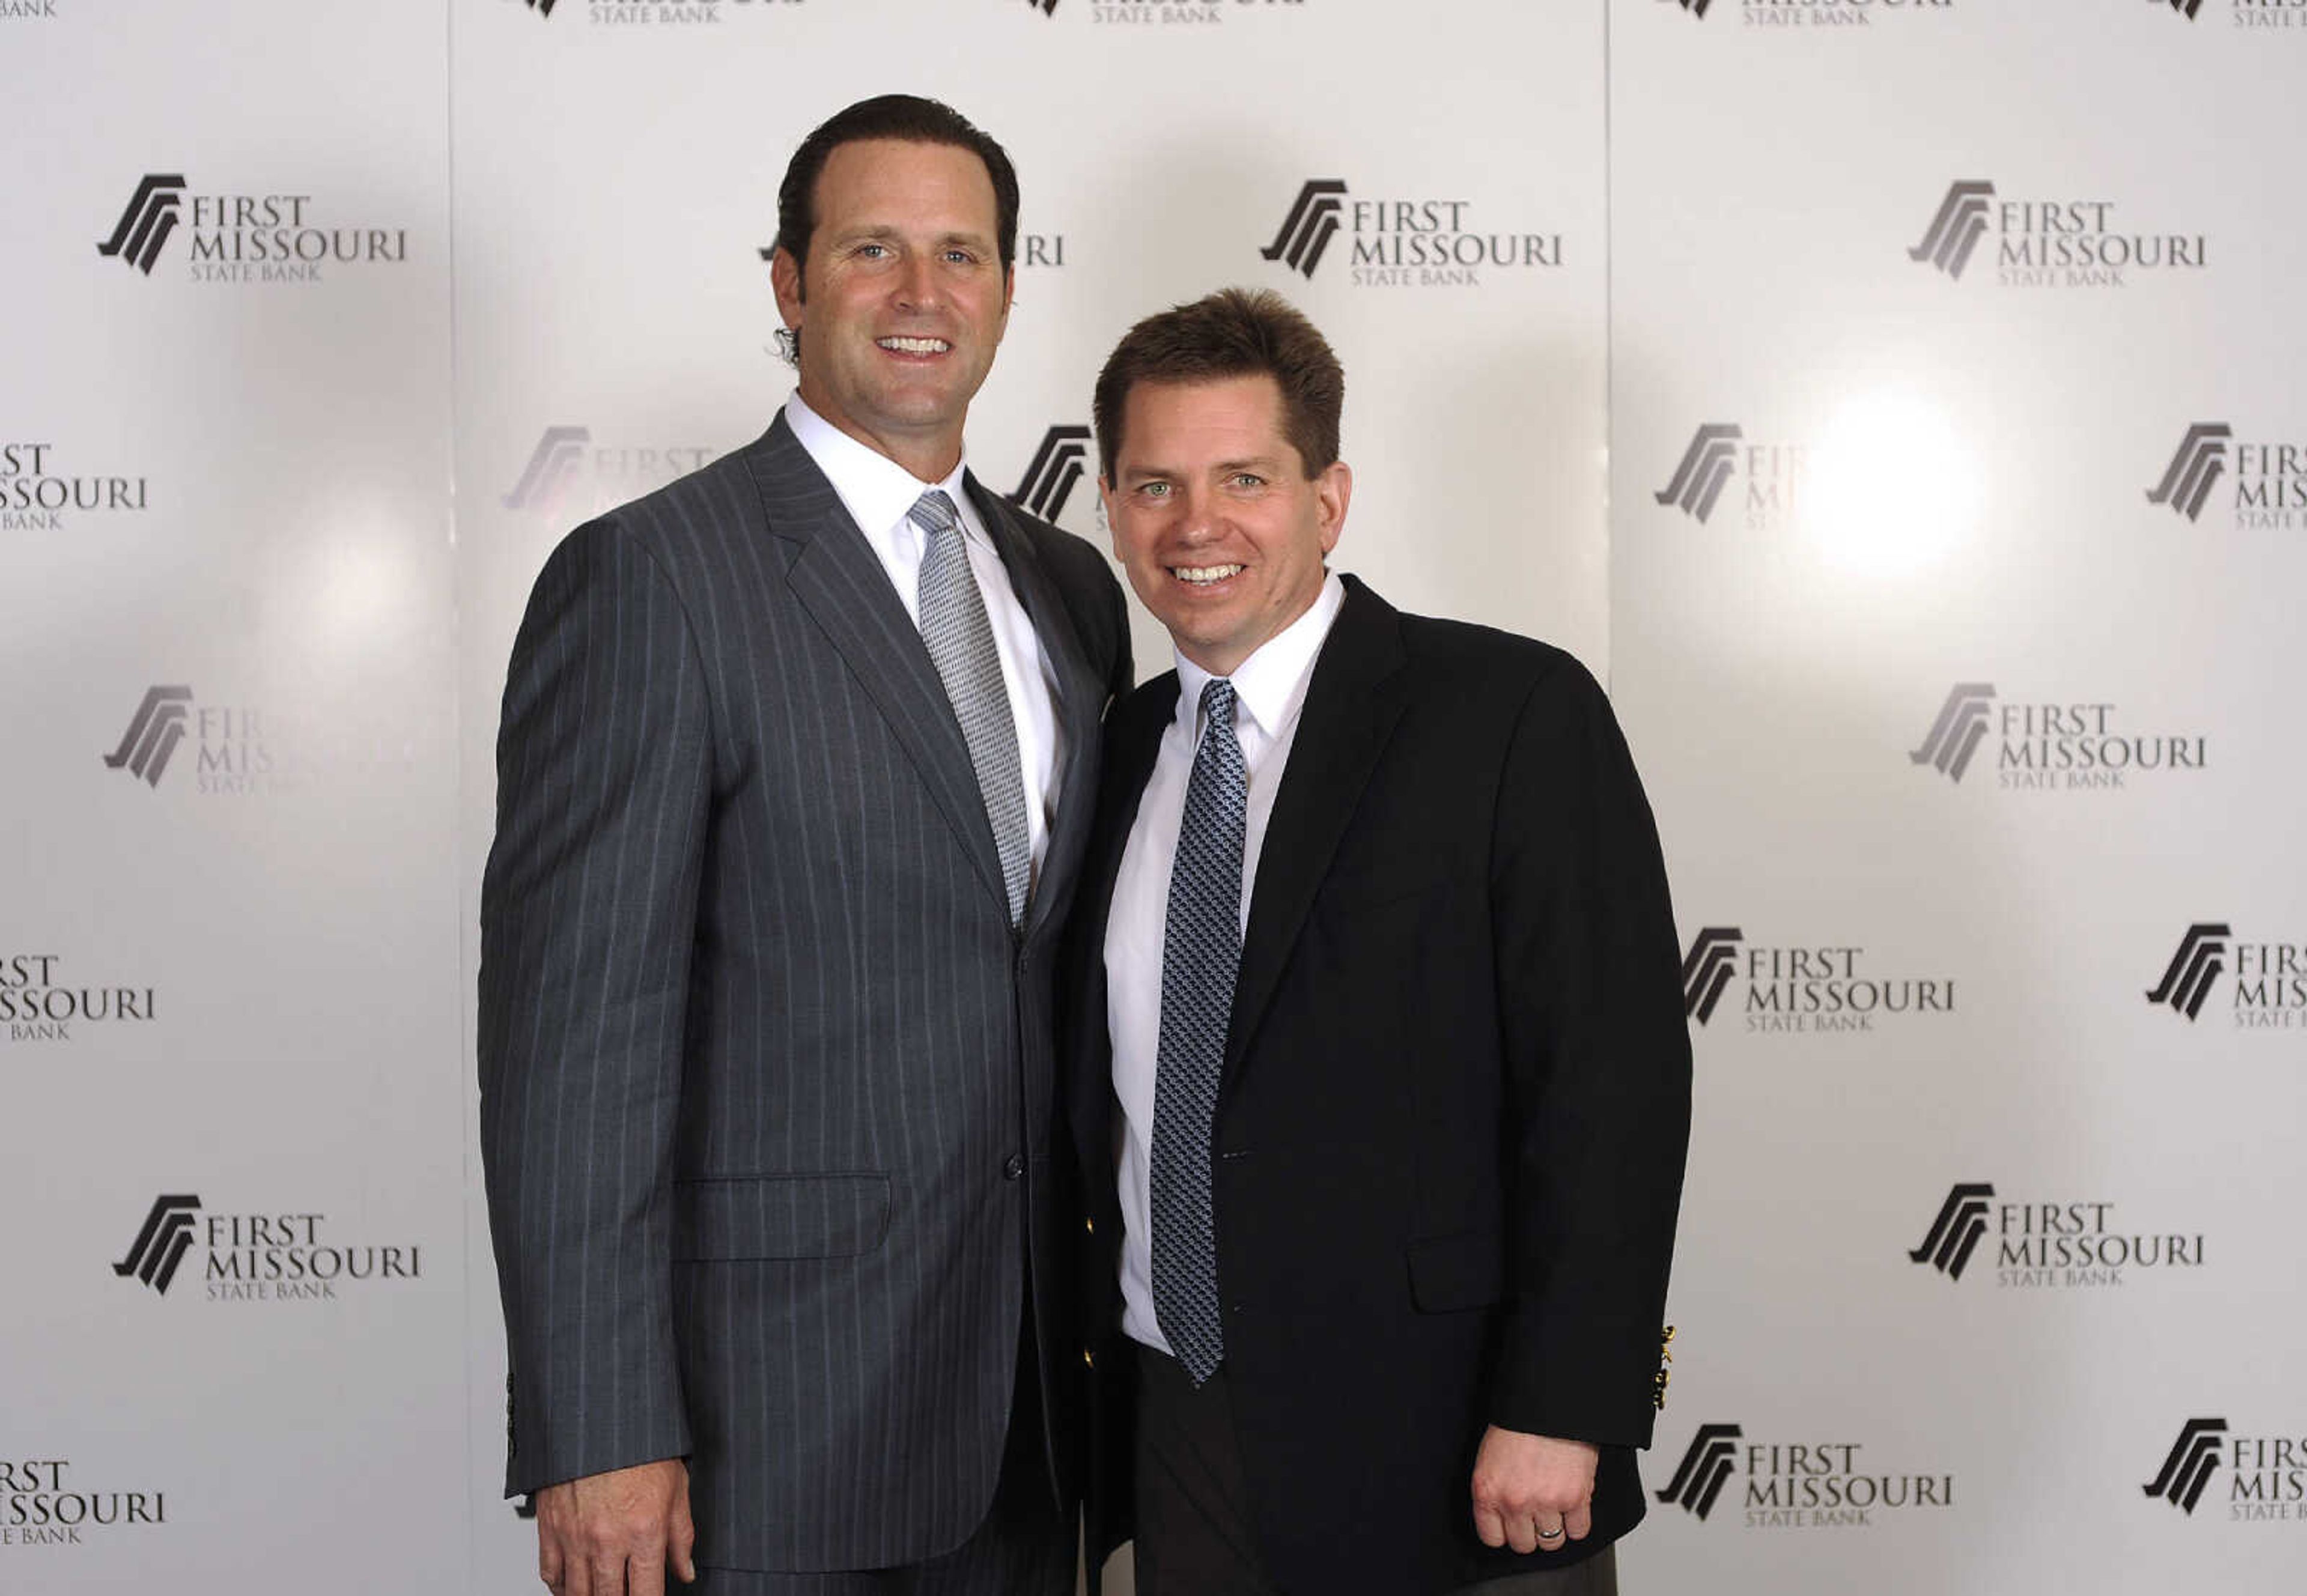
2049, 1245
2266, 1471
271, 1255
2268, 480
2269, 983
240, 751
1771, 475
1794, 1485
568, 474
1402, 243
1810, 986
2048, 242
2042, 746
248, 237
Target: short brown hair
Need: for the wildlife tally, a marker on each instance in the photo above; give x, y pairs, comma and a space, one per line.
905, 119
1234, 332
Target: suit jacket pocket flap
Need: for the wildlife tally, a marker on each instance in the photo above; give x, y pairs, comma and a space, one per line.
780, 1216
1449, 1273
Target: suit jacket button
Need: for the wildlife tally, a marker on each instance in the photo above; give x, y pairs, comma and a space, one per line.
1088, 1359
1090, 1225
1014, 1167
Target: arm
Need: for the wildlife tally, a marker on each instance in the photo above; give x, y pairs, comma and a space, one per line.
587, 910
1598, 1056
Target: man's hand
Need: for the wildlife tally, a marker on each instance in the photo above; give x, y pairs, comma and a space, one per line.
1533, 1492
609, 1534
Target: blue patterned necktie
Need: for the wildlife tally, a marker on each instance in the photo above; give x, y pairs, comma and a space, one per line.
960, 640
1201, 952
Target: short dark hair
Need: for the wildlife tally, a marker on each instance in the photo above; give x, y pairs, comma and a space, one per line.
1234, 332
909, 119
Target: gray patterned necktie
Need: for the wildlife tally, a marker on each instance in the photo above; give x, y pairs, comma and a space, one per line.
961, 645
1201, 952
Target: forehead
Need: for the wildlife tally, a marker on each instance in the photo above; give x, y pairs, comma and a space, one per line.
1170, 424
896, 183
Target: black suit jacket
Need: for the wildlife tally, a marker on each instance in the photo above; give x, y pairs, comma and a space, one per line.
768, 1081
1455, 1101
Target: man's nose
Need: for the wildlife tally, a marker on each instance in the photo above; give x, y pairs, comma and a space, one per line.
1198, 517
917, 281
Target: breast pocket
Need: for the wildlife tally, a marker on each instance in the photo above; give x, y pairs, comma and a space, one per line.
737, 1218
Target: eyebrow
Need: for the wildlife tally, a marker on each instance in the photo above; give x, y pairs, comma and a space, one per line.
1264, 463
881, 232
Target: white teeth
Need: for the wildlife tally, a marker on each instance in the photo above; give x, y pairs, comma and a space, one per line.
915, 346
1205, 573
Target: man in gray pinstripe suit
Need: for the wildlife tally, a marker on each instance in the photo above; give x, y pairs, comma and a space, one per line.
795, 774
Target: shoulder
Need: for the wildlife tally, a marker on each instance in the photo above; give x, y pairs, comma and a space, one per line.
1075, 563
1145, 707
1487, 665
690, 531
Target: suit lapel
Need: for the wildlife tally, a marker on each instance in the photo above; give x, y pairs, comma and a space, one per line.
838, 579
1351, 705
1133, 738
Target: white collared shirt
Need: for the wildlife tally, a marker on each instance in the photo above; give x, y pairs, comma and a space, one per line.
879, 495
1269, 691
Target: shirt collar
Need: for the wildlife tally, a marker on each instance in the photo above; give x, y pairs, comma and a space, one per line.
1270, 685
875, 490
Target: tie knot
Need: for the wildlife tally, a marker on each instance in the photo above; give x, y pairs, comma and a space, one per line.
1217, 703
933, 513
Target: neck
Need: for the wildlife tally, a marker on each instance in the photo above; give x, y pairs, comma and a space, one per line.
927, 457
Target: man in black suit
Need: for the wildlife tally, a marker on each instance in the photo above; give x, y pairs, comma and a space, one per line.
795, 773
1382, 1085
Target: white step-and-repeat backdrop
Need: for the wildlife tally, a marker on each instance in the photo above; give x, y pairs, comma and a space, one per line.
1897, 401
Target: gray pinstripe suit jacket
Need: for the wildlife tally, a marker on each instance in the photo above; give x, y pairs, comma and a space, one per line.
767, 1079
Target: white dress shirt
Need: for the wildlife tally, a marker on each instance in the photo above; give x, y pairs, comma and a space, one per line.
1269, 691
879, 495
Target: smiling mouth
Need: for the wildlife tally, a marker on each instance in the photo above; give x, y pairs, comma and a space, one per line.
914, 346
1203, 576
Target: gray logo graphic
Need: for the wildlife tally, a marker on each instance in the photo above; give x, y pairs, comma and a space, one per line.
1713, 958
1706, 464
1956, 229
145, 226
2193, 1456
160, 1246
1955, 1233
2194, 968
2201, 460
1056, 468
157, 726
1955, 734
559, 455
1312, 223
1699, 1478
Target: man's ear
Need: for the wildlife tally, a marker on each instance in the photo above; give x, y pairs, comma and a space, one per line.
1333, 489
785, 279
